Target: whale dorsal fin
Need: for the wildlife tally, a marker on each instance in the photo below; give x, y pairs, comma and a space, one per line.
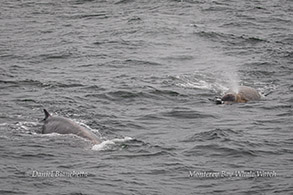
47, 114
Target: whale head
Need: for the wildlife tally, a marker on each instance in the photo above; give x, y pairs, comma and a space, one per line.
230, 97
233, 97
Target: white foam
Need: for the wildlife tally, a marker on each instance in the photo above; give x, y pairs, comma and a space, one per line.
52, 134
105, 144
26, 126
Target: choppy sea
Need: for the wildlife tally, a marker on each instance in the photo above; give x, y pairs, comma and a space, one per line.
140, 74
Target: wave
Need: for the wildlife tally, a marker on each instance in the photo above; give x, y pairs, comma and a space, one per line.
39, 84
26, 82
228, 142
184, 113
224, 150
124, 1
137, 62
135, 94
216, 134
231, 39
90, 16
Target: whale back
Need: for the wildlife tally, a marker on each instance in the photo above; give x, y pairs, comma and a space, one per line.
61, 125
248, 93
244, 94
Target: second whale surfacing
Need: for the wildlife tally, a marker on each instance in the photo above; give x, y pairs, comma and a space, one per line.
61, 125
243, 95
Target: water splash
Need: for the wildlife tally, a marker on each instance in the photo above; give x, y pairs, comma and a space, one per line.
107, 144
27, 127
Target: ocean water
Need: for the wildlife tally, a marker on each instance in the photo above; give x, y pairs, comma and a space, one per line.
140, 74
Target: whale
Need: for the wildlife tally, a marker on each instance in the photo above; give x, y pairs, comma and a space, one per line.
243, 95
61, 125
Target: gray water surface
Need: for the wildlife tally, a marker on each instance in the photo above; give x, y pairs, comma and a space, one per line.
139, 74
